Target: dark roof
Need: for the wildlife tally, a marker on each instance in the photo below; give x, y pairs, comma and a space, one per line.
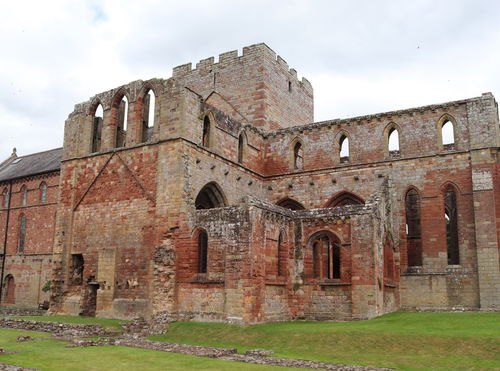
36, 163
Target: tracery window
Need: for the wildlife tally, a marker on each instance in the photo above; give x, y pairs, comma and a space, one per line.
326, 257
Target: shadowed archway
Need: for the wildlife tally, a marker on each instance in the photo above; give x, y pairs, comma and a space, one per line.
209, 197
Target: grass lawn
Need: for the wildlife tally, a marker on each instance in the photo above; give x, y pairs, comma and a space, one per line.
104, 322
51, 355
405, 341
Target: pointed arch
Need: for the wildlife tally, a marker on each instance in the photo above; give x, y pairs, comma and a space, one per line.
392, 134
297, 154
281, 251
389, 264
201, 238
148, 113
5, 198
344, 198
208, 130
342, 147
210, 196
413, 227
97, 113
119, 117
447, 132
10, 289
326, 256
289, 203
24, 195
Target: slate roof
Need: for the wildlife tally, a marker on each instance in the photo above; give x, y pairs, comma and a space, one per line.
36, 163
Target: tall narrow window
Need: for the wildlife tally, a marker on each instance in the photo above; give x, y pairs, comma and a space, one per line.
413, 230
148, 115
22, 233
281, 256
451, 220
447, 135
241, 147
121, 124
97, 129
43, 192
344, 149
389, 268
326, 257
5, 195
202, 252
206, 132
298, 156
393, 142
24, 195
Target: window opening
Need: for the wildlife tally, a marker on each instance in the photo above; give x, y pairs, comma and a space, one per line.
97, 129
202, 252
6, 197
206, 132
298, 156
281, 256
148, 115
43, 192
24, 195
121, 127
344, 149
22, 233
209, 197
413, 230
326, 257
77, 265
241, 144
393, 143
451, 221
447, 135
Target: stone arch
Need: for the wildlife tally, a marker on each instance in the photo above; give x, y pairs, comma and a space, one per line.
147, 109
10, 289
210, 196
443, 143
389, 266
96, 112
242, 147
342, 147
120, 105
24, 195
290, 203
413, 218
324, 256
297, 154
392, 131
200, 237
208, 130
344, 198
450, 194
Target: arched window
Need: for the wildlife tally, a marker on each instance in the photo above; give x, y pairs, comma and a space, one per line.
121, 112
451, 221
242, 143
345, 198
202, 251
97, 129
281, 255
447, 135
24, 195
5, 196
10, 289
413, 230
206, 142
298, 156
209, 197
393, 142
148, 115
22, 233
344, 149
326, 256
43, 192
291, 204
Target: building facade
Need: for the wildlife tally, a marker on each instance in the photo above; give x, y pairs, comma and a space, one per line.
212, 195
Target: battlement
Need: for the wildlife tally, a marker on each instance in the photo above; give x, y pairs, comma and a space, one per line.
231, 58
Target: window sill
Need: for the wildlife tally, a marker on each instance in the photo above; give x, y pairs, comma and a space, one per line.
328, 283
276, 282
204, 279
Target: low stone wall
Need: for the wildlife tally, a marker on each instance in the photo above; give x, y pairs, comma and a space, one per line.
69, 329
5, 311
6, 367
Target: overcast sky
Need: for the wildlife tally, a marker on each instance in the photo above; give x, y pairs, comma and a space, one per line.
361, 57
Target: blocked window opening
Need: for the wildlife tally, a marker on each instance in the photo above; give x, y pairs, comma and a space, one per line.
298, 156
393, 143
76, 272
242, 144
344, 149
10, 289
281, 255
206, 132
290, 204
43, 192
24, 195
97, 129
22, 233
389, 265
148, 115
447, 135
413, 230
122, 120
5, 198
451, 221
209, 197
326, 257
202, 252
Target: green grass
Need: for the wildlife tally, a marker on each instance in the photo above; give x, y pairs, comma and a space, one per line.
113, 324
405, 341
51, 355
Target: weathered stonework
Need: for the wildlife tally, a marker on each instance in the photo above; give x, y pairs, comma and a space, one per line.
236, 207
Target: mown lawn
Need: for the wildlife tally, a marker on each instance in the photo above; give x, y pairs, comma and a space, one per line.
404, 341
51, 355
